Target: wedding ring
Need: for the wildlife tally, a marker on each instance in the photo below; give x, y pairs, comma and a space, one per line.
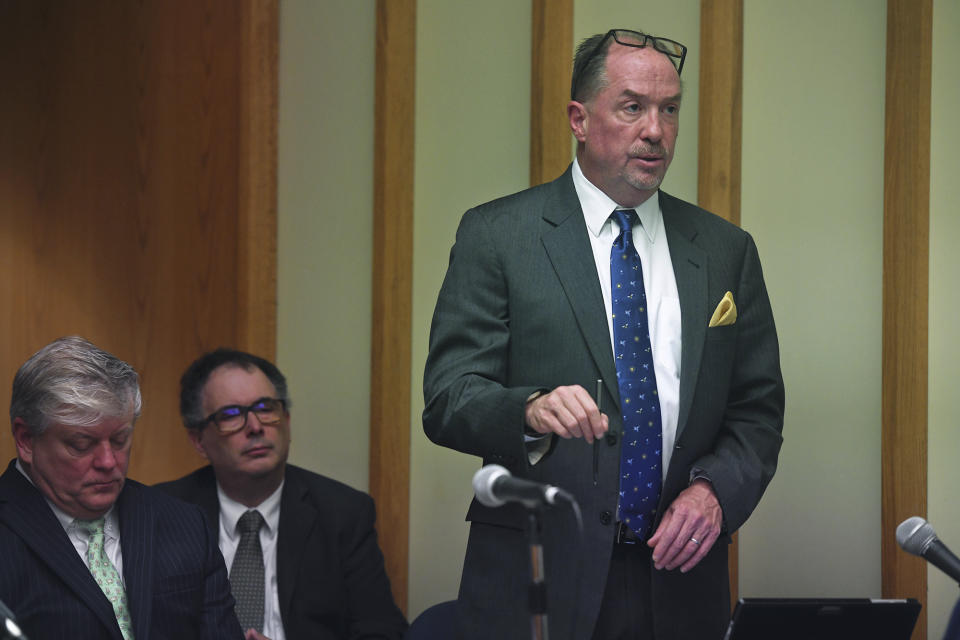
695, 541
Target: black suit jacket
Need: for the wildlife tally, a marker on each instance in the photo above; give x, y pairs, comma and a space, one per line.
175, 578
521, 310
331, 580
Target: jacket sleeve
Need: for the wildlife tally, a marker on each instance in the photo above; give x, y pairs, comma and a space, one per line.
468, 406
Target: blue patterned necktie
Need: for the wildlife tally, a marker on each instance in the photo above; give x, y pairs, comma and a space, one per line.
640, 451
107, 575
246, 572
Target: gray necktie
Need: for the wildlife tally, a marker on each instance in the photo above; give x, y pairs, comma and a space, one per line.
246, 574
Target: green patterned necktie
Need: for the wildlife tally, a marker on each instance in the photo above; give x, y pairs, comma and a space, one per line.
106, 575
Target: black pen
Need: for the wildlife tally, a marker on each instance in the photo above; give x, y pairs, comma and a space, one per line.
596, 442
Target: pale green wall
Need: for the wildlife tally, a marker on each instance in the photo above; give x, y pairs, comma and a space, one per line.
944, 418
813, 94
812, 197
325, 211
472, 144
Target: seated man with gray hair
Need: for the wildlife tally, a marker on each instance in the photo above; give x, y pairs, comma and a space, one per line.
87, 553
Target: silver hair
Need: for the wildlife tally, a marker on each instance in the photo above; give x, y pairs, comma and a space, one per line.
71, 381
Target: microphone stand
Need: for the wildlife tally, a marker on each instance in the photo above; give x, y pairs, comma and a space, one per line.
537, 594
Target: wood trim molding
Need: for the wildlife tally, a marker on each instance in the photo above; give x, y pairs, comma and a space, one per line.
721, 91
390, 372
906, 242
718, 167
257, 162
552, 64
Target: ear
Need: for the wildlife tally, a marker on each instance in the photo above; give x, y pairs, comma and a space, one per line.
24, 440
577, 114
196, 438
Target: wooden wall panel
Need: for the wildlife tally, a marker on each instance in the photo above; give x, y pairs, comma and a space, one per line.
390, 366
119, 192
906, 240
259, 76
551, 67
718, 169
721, 87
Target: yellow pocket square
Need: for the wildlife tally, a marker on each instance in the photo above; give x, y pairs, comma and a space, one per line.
725, 313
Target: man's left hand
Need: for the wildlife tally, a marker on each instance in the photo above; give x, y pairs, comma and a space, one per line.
688, 529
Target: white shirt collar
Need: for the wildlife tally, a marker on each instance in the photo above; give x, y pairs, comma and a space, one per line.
597, 207
231, 510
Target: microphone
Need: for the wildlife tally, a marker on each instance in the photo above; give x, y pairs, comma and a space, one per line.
8, 627
494, 486
917, 537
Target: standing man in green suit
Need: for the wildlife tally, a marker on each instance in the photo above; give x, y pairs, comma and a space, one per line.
527, 323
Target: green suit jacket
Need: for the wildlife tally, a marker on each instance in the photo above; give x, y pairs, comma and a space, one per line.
521, 310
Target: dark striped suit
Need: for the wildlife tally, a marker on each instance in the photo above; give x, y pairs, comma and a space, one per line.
176, 581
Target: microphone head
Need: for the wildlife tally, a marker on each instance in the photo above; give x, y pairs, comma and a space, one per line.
483, 484
914, 535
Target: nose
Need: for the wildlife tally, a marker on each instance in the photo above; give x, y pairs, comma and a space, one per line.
652, 127
254, 426
105, 458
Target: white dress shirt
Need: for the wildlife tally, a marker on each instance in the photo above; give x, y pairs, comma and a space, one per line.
230, 512
659, 282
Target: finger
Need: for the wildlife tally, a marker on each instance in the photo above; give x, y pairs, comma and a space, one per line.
578, 412
543, 417
604, 424
592, 421
544, 422
677, 544
551, 424
680, 550
581, 409
670, 529
702, 550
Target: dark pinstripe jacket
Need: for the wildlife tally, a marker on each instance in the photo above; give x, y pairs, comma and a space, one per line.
176, 581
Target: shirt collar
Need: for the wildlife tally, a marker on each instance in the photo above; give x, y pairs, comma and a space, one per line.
597, 207
231, 510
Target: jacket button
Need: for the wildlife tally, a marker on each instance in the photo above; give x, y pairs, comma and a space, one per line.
605, 517
611, 438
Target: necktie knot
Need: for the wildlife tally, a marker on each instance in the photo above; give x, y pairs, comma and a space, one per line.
93, 528
250, 522
624, 218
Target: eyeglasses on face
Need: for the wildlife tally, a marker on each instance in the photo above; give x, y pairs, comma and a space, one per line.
233, 418
628, 38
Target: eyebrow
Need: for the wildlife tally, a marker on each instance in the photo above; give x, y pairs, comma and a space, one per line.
627, 93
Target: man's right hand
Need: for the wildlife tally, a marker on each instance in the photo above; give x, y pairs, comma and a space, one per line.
569, 412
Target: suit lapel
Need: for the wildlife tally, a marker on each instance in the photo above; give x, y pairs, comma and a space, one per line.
297, 519
690, 270
568, 247
205, 495
24, 510
137, 528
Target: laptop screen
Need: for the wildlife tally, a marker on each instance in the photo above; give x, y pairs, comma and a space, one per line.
822, 619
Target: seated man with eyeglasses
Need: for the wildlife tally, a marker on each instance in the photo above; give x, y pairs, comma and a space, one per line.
302, 549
